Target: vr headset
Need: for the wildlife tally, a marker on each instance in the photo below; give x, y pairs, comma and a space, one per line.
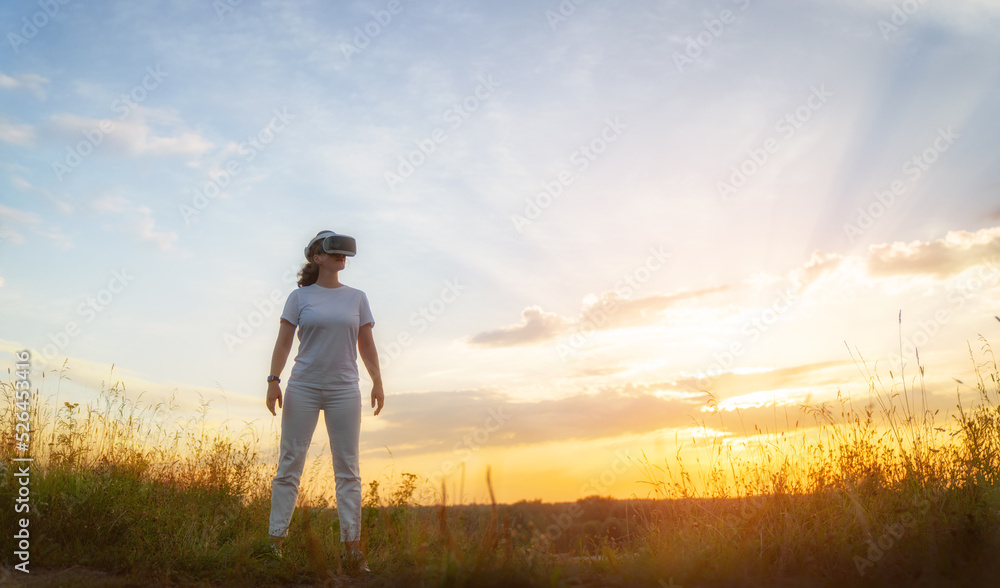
331, 242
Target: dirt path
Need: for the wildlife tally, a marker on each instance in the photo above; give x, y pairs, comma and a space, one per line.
77, 576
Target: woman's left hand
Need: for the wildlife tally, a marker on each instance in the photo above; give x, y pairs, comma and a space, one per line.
378, 397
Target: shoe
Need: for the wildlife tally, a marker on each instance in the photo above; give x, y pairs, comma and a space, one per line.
269, 552
355, 563
275, 551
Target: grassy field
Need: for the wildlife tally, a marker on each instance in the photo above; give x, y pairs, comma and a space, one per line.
122, 496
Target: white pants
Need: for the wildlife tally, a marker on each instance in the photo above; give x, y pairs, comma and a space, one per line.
299, 413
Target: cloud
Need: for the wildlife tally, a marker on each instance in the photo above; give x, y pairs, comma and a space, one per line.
15, 133
31, 82
608, 311
55, 235
19, 218
818, 265
146, 131
537, 326
431, 422
23, 184
733, 384
111, 203
144, 226
441, 421
612, 310
956, 252
9, 235
134, 219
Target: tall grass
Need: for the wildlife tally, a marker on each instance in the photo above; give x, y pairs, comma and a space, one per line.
864, 498
880, 490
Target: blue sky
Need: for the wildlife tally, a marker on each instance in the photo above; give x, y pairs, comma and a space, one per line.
116, 115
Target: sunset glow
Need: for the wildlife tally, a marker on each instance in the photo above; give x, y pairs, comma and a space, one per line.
627, 232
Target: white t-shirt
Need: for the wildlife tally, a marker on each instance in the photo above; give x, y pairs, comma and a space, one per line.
328, 320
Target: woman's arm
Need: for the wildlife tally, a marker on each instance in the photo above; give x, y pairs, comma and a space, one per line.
369, 355
282, 347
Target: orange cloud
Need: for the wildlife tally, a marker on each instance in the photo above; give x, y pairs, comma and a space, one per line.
608, 311
536, 326
956, 252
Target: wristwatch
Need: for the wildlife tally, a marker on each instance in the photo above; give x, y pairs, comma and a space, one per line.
274, 378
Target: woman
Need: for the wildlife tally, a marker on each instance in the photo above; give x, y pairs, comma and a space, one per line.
335, 324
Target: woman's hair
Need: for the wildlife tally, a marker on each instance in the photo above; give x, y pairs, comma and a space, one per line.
310, 271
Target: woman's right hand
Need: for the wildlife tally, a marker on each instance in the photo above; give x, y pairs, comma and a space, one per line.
273, 394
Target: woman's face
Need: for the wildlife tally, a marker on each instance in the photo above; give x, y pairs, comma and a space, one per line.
333, 261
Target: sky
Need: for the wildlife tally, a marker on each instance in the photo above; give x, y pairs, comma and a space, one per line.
577, 221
